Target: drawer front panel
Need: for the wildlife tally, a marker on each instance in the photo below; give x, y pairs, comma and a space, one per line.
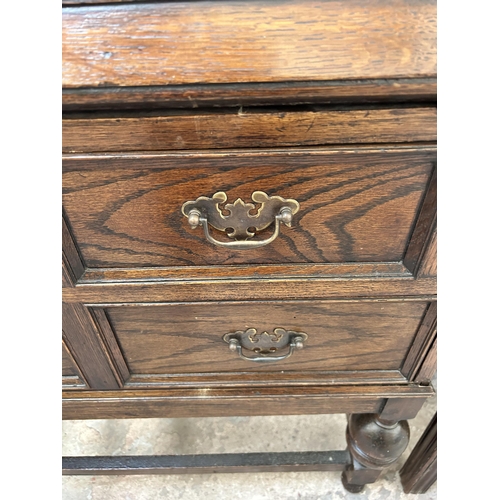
355, 205
341, 336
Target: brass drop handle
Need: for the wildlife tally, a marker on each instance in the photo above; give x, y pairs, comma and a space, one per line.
265, 344
240, 224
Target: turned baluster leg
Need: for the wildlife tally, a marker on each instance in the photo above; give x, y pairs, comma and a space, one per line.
374, 443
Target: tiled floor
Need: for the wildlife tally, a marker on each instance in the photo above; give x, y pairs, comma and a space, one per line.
224, 435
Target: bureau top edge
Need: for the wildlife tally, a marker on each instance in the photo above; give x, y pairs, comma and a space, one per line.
294, 50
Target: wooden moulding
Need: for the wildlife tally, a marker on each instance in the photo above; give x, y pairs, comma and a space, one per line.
73, 266
421, 255
92, 345
297, 40
247, 128
216, 290
72, 377
401, 90
276, 379
263, 271
421, 361
211, 402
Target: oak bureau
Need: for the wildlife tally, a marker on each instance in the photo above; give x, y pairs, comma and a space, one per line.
249, 220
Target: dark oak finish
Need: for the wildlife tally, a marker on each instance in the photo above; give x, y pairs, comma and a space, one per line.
187, 338
420, 364
419, 472
90, 348
68, 368
421, 255
71, 375
263, 41
272, 289
251, 94
396, 409
354, 207
373, 444
428, 264
340, 270
247, 128
255, 379
72, 263
329, 103
212, 402
112, 348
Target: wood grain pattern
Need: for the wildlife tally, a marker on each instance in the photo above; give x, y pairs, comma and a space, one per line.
428, 367
258, 41
273, 289
280, 157
71, 375
421, 256
330, 102
68, 367
82, 338
428, 264
180, 403
397, 409
421, 361
72, 263
398, 90
248, 128
355, 207
159, 274
187, 338
254, 379
419, 472
112, 348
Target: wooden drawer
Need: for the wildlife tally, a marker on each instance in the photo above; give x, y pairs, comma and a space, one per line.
161, 343
357, 205
328, 104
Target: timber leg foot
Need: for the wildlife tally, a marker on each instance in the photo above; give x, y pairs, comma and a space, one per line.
356, 476
374, 444
351, 488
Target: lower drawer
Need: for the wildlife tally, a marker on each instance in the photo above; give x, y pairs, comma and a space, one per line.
363, 338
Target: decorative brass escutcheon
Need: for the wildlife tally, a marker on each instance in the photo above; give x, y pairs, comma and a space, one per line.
240, 224
265, 344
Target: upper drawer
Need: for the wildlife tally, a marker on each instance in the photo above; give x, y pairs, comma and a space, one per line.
356, 205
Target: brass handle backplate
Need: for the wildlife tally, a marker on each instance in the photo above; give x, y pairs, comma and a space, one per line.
265, 344
238, 223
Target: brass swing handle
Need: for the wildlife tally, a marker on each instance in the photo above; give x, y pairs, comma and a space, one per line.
265, 344
238, 223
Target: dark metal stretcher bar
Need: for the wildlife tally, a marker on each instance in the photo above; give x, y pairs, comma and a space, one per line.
208, 464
